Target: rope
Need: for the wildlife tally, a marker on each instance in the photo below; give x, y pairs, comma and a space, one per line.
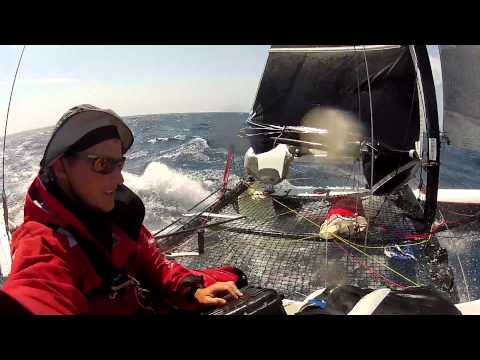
352, 245
387, 246
373, 259
228, 168
429, 235
375, 273
279, 136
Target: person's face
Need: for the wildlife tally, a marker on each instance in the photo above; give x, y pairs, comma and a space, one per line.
95, 189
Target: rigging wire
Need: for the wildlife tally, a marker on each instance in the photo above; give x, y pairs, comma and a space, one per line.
371, 115
4, 195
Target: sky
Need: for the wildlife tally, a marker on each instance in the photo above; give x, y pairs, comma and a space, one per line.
131, 80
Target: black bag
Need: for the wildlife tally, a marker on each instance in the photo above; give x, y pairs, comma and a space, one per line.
410, 301
255, 301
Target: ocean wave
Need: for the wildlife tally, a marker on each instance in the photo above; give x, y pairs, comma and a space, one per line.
173, 138
193, 150
161, 183
137, 155
154, 140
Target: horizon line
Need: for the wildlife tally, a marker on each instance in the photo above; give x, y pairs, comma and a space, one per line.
138, 115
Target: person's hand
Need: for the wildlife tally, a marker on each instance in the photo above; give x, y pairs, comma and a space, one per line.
209, 295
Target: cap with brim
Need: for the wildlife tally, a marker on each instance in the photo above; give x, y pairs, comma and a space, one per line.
77, 123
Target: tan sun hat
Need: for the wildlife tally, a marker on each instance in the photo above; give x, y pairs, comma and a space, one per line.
78, 122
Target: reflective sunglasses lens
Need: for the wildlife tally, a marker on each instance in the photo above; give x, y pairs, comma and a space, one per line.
106, 166
100, 165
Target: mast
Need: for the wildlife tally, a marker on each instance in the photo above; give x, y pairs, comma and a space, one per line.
430, 140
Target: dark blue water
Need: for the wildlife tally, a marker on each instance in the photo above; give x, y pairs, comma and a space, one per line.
178, 159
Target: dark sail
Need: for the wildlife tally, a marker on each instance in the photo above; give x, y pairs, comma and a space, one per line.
461, 88
298, 79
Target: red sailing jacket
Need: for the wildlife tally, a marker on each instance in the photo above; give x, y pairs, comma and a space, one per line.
51, 274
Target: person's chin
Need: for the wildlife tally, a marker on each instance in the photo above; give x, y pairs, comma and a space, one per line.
105, 207
108, 207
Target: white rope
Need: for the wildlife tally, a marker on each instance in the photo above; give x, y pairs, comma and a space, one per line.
463, 274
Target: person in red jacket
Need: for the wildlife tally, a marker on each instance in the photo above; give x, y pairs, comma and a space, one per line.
83, 249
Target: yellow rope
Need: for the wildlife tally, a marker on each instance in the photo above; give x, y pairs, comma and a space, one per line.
275, 216
388, 246
373, 259
308, 237
351, 245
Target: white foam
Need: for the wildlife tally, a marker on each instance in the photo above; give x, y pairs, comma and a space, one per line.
154, 140
179, 137
167, 184
209, 183
194, 150
17, 184
137, 154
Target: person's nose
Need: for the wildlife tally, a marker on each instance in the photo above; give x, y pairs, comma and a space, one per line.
118, 177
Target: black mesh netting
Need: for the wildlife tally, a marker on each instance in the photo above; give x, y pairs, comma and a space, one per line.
277, 246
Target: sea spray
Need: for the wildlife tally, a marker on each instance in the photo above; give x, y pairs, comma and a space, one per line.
167, 184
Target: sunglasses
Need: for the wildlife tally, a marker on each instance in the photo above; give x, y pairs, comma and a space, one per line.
103, 164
